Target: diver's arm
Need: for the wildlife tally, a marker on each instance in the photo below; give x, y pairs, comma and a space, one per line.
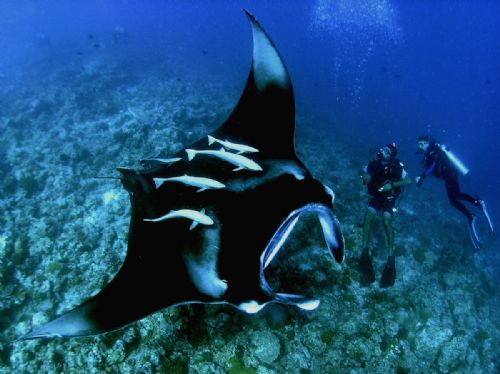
427, 171
401, 183
404, 179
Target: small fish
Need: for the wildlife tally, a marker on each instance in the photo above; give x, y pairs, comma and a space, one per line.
200, 182
160, 161
195, 216
241, 148
241, 162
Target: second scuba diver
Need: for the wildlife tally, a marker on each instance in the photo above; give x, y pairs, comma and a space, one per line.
384, 178
441, 163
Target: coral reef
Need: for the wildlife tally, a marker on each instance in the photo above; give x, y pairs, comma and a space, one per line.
63, 236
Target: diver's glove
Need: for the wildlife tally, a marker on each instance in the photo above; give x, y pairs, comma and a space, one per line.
419, 180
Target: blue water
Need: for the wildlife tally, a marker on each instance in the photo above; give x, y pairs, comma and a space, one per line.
380, 70
370, 71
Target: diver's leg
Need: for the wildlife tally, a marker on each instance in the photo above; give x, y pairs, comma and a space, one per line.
453, 196
365, 262
466, 197
370, 215
453, 193
389, 274
389, 232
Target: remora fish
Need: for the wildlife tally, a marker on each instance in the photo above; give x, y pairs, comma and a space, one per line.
240, 161
241, 148
158, 162
193, 215
200, 182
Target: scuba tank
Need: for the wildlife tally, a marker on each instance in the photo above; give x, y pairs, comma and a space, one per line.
464, 170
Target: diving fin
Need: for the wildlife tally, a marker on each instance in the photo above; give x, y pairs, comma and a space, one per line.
366, 268
389, 273
482, 205
473, 233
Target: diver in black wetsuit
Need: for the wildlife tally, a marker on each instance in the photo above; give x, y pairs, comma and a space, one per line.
437, 163
384, 178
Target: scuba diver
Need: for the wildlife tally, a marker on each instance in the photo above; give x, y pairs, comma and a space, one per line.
384, 178
443, 164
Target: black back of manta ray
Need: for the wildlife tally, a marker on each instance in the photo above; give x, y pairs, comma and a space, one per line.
168, 263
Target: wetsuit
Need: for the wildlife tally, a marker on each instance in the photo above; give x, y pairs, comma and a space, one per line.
436, 163
381, 173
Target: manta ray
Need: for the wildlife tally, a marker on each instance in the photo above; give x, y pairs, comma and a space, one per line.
207, 234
